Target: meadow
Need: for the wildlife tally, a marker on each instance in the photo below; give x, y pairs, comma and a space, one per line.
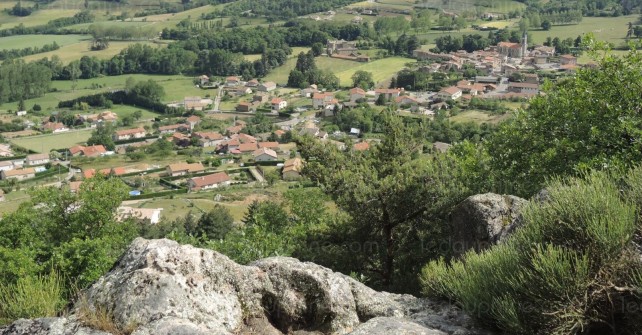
381, 69
609, 29
48, 142
176, 88
30, 41
77, 50
37, 18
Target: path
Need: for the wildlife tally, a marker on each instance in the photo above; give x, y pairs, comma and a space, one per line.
255, 173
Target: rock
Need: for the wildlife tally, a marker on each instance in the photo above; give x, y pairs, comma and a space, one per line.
483, 220
159, 287
392, 325
48, 326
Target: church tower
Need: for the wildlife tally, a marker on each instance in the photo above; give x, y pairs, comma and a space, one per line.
524, 45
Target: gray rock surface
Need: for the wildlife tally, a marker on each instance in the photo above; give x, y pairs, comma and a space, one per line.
160, 287
483, 220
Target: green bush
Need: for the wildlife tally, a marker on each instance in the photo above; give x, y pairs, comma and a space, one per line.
32, 297
570, 268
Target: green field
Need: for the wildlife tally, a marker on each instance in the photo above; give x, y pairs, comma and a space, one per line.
609, 29
281, 73
478, 117
76, 51
27, 41
37, 18
381, 69
48, 142
176, 88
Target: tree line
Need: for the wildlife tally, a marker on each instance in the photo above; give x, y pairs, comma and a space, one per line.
17, 53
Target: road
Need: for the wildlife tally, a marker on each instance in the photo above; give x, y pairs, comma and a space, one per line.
255, 173
217, 100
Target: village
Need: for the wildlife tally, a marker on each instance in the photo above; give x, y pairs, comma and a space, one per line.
224, 154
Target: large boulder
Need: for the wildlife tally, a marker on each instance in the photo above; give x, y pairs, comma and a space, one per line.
483, 220
160, 287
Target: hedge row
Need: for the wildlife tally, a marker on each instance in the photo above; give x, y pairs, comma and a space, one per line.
158, 194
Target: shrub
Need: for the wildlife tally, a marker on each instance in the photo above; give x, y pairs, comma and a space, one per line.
32, 297
568, 269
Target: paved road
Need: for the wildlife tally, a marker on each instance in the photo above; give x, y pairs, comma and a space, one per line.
255, 173
217, 100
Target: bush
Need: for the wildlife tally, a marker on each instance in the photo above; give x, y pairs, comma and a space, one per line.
570, 267
32, 297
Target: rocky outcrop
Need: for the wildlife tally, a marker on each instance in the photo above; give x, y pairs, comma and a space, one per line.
161, 287
483, 220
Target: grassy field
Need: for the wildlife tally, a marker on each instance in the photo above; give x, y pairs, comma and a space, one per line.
381, 69
176, 88
48, 142
609, 29
37, 18
26, 41
295, 52
76, 51
12, 201
478, 117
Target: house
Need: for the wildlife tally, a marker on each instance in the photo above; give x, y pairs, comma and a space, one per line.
21, 113
238, 91
215, 180
278, 104
6, 165
37, 159
264, 155
487, 80
252, 83
233, 130
314, 132
181, 169
170, 129
55, 127
95, 119
292, 169
388, 93
449, 93
526, 88
150, 215
357, 94
232, 81
309, 91
196, 103
361, 146
192, 121
508, 49
268, 86
341, 47
76, 150
93, 151
246, 107
247, 147
260, 98
203, 80
406, 100
269, 145
568, 59
22, 174
208, 139
322, 100
181, 140
127, 134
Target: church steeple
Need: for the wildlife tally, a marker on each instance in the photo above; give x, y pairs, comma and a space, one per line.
524, 45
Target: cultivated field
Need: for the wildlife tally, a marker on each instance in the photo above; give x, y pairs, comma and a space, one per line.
48, 142
30, 41
37, 18
609, 29
76, 51
381, 69
478, 117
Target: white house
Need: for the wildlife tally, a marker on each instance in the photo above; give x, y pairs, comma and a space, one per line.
37, 159
450, 93
215, 180
278, 104
264, 155
6, 165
